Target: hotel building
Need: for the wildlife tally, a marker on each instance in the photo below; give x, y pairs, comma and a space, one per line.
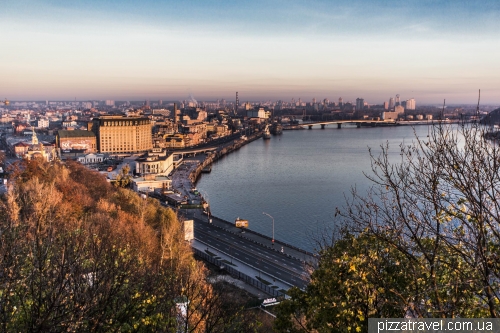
122, 135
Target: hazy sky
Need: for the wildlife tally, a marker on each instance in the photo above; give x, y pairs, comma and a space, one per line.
272, 49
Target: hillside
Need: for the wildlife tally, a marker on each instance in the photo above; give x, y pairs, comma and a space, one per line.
80, 255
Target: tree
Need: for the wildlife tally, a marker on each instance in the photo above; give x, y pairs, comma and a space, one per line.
123, 178
436, 213
80, 255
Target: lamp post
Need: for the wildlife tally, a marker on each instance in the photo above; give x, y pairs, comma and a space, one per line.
273, 224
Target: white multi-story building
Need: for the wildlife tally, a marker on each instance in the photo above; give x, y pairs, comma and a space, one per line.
42, 123
260, 113
410, 104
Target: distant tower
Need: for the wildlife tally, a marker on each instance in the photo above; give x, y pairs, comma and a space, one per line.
160, 102
314, 100
237, 103
391, 103
341, 102
398, 101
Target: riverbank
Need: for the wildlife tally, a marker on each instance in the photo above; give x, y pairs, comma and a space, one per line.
220, 152
186, 175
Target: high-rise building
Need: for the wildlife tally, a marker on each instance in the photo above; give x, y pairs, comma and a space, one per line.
391, 103
160, 102
386, 105
110, 102
341, 102
398, 101
411, 104
118, 134
86, 105
360, 104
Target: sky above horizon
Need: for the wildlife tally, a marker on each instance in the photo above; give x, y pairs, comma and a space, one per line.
273, 49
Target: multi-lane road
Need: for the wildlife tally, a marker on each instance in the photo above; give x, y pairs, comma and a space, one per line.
271, 262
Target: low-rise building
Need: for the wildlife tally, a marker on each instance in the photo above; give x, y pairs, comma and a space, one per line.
156, 162
175, 141
76, 140
149, 183
91, 158
390, 115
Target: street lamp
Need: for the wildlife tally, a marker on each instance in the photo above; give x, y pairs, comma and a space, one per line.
273, 224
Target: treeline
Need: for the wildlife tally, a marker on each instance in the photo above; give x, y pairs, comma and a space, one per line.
423, 243
79, 255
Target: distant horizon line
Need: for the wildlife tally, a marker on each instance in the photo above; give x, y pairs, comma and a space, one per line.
210, 101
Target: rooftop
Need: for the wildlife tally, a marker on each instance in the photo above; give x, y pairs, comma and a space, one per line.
75, 134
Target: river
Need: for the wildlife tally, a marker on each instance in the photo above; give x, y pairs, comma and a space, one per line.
299, 178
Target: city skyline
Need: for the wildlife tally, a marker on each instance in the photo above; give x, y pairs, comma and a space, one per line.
264, 49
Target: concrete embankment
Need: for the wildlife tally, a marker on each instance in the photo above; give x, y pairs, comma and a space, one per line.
237, 144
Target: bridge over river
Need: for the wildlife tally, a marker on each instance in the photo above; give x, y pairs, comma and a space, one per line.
357, 122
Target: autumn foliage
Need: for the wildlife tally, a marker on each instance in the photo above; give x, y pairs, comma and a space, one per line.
79, 255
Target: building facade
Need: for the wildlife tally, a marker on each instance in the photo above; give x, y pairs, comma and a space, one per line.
391, 103
360, 104
76, 140
411, 104
122, 135
161, 164
388, 115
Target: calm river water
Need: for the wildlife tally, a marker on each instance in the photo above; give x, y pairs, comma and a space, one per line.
299, 178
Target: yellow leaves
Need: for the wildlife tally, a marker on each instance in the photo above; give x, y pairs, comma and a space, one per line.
352, 268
